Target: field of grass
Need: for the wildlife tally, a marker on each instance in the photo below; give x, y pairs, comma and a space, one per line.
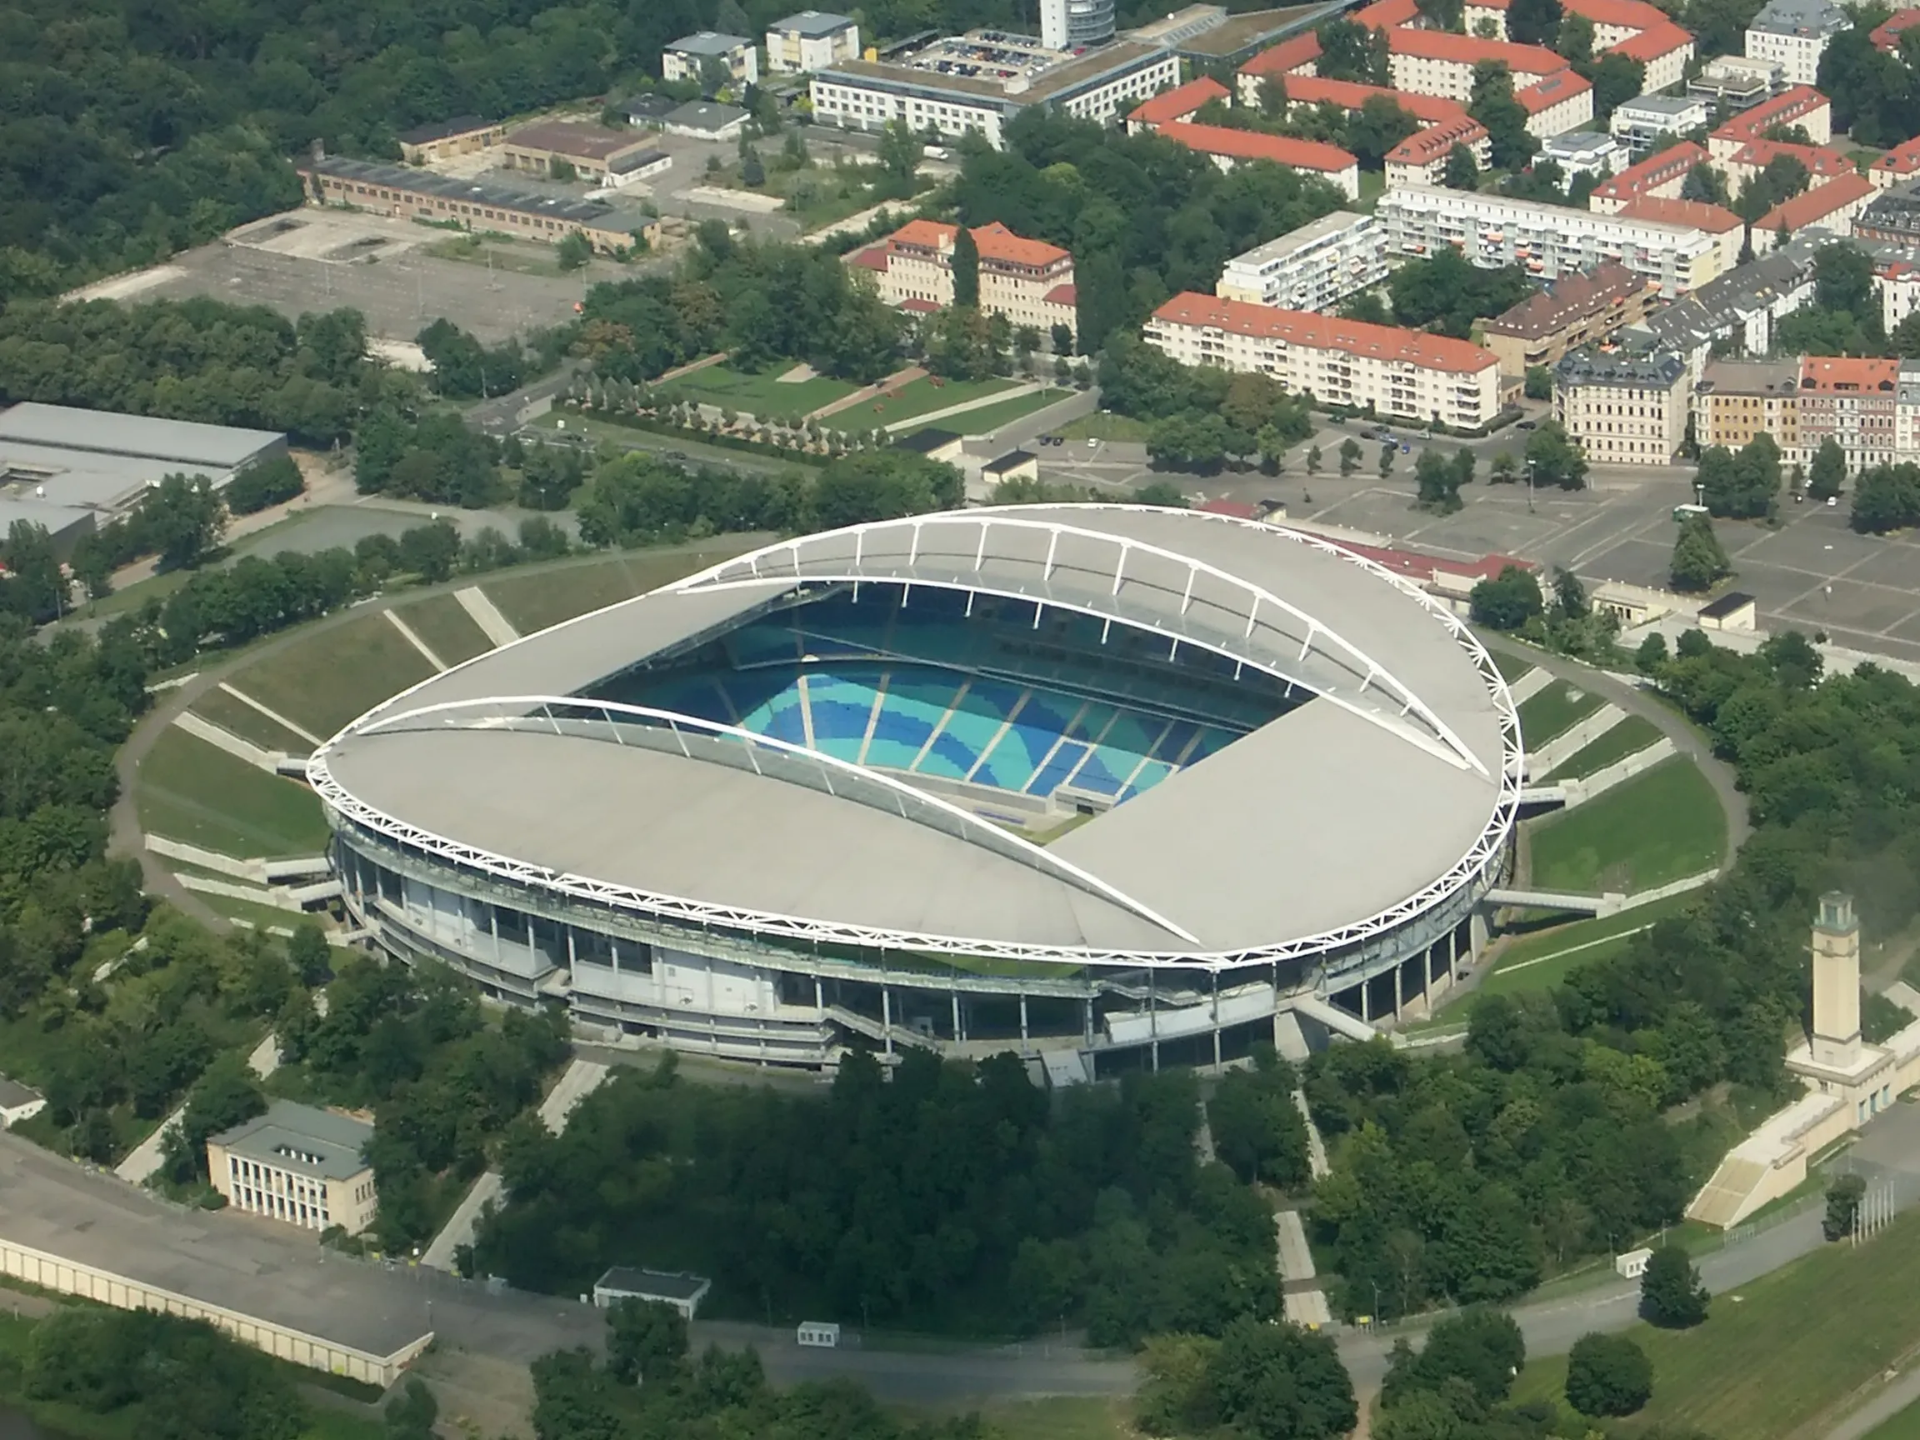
1904, 1426
337, 675
1511, 667
1785, 1358
1629, 737
1062, 1417
988, 418
916, 397
1102, 426
192, 791
447, 628
243, 720
1536, 962
534, 601
1553, 710
758, 394
1662, 825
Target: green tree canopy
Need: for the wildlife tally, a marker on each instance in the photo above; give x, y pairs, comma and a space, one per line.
1671, 1294
1608, 1375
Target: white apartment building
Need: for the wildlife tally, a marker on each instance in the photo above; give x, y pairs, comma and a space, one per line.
1638, 123
1421, 158
1620, 409
1028, 281
811, 40
1102, 85
1547, 240
1794, 34
1586, 152
684, 58
1312, 268
297, 1164
1436, 62
1898, 285
1405, 373
1556, 104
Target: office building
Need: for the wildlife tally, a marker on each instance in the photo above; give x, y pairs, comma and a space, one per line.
464, 135
1639, 123
1407, 374
1793, 34
1028, 281
1622, 409
305, 1166
1227, 147
811, 40
1548, 241
1312, 268
1739, 399
977, 83
1585, 152
564, 149
1658, 177
690, 57
1574, 310
1075, 24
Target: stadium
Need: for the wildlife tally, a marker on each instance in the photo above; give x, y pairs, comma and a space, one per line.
1113, 785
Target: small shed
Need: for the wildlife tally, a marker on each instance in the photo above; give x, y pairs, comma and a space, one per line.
1732, 611
18, 1102
676, 1288
1014, 465
818, 1334
1633, 1264
932, 443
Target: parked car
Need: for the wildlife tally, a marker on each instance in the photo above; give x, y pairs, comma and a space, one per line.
1528, 425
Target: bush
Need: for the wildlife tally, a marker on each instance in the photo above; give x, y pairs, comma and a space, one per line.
271, 482
1671, 1295
1608, 1375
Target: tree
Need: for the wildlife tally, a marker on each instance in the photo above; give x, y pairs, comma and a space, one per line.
1349, 455
1534, 22
1163, 493
1539, 383
1554, 458
1387, 451
1651, 655
1829, 470
646, 1341
411, 1413
1376, 128
1569, 595
1608, 1375
309, 954
1494, 106
1437, 482
181, 520
1507, 601
1887, 497
966, 269
1671, 1295
574, 250
1698, 561
1273, 97
1843, 280
1462, 171
1705, 184
753, 170
1844, 1193
1277, 1382
1258, 1132
899, 154
1505, 470
1313, 461
1480, 1348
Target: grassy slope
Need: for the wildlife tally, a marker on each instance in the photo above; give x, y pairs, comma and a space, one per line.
916, 397
1904, 1426
1785, 1357
193, 791
1550, 711
1663, 824
989, 418
533, 602
448, 630
1629, 737
1535, 962
328, 679
763, 394
243, 720
1511, 667
1101, 426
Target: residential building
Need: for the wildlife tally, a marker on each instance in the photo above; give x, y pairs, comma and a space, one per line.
955, 86
1351, 96
1585, 152
463, 135
1896, 280
1410, 374
552, 148
811, 40
1736, 400
1556, 104
1853, 400
305, 1166
689, 57
1886, 35
1898, 166
1028, 281
1180, 103
1076, 24
1793, 34
1421, 158
1622, 409
1832, 207
1296, 56
1574, 310
1893, 215
1906, 414
1659, 177
1800, 105
1437, 62
1312, 268
511, 209
1726, 227
706, 120
18, 1102
1228, 147
1617, 20
1547, 240
1664, 51
1739, 307
1639, 123
682, 1291
1824, 165
1736, 83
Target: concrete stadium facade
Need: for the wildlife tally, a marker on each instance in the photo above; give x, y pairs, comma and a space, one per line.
1273, 781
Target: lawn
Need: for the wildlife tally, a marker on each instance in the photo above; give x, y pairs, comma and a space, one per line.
1789, 1354
192, 791
1511, 667
446, 628
1662, 825
1538, 961
250, 912
762, 394
916, 397
243, 720
988, 418
336, 675
1061, 1417
1552, 711
535, 601
1102, 426
1629, 737
1904, 1426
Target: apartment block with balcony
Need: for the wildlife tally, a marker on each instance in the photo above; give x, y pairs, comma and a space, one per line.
1621, 409
297, 1164
1312, 268
1407, 374
1028, 281
1638, 123
1573, 311
811, 40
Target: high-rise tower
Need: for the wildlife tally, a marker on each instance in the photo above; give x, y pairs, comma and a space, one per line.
1836, 983
1075, 24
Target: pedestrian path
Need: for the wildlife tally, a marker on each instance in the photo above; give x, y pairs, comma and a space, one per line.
495, 626
407, 634
223, 739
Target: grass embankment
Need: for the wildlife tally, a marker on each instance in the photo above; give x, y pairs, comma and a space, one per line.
916, 397
534, 601
1795, 1351
1629, 737
1511, 667
1542, 960
1663, 825
324, 681
239, 718
1554, 710
761, 393
1904, 1426
446, 628
192, 791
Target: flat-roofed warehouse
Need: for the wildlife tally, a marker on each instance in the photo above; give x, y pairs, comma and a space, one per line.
1103, 782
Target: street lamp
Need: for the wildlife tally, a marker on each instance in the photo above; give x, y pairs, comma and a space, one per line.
1530, 465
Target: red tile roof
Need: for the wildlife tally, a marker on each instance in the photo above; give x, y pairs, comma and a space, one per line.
1887, 35
1552, 91
1701, 216
1238, 509
994, 242
1251, 145
1062, 295
1822, 163
1436, 142
1286, 57
1650, 44
1622, 14
1384, 14
1847, 374
1327, 332
1654, 171
1179, 102
1813, 206
873, 259
1351, 95
918, 306
1789, 107
1903, 159
1416, 566
1466, 50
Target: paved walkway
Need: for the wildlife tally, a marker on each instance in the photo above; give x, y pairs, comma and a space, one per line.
478, 604
869, 392
408, 634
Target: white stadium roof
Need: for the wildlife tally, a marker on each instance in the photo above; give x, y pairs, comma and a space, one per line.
1339, 821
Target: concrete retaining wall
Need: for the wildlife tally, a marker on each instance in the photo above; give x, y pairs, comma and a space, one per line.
65, 1277
1542, 759
1603, 780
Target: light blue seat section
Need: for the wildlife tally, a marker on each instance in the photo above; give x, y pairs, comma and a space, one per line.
1059, 765
1127, 742
1173, 744
915, 704
976, 719
1151, 774
842, 706
1017, 755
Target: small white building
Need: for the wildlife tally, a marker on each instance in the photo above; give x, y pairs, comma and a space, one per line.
1632, 1264
811, 40
1638, 123
18, 1102
686, 57
676, 1288
1586, 152
818, 1334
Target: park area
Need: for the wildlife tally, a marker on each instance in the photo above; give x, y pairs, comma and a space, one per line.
1662, 825
764, 394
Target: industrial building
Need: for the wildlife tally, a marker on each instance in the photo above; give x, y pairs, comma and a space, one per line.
463, 135
550, 148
